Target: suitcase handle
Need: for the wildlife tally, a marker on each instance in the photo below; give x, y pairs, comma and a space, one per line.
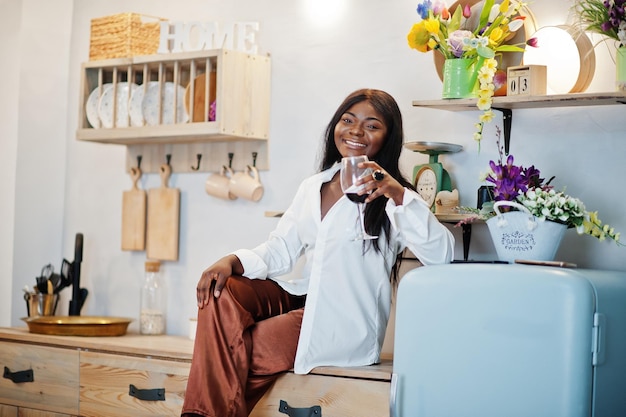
284, 408
19, 376
393, 392
155, 394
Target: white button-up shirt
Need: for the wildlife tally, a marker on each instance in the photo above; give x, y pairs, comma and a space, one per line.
348, 291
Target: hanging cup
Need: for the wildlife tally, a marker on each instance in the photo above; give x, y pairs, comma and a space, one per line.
218, 184
246, 184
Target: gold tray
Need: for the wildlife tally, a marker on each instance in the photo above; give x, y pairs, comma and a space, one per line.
78, 325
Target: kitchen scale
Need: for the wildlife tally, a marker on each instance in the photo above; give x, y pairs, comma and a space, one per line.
431, 178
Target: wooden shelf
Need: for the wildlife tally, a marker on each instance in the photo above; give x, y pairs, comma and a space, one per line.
238, 84
506, 105
528, 102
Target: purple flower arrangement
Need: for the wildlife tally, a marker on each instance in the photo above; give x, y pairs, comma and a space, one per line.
605, 17
512, 182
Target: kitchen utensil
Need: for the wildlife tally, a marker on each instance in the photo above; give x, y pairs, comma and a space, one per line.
55, 282
247, 184
163, 220
199, 96
41, 304
47, 271
66, 272
42, 285
78, 326
218, 184
134, 215
78, 294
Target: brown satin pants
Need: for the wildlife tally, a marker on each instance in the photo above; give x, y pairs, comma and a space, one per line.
245, 340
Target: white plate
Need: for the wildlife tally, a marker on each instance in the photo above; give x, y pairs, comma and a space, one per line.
91, 107
150, 104
135, 106
105, 107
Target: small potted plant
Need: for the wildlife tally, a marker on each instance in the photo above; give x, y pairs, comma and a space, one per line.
607, 18
469, 39
527, 216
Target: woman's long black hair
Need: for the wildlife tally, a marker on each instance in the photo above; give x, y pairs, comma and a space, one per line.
376, 221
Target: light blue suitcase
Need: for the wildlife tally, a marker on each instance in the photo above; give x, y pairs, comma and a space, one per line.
484, 340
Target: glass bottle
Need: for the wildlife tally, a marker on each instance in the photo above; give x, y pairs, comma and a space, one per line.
152, 313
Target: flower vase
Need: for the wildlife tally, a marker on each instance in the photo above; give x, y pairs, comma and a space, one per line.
620, 68
460, 78
520, 235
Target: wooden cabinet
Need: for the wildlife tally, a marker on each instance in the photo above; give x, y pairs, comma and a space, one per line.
340, 392
130, 386
93, 376
8, 411
39, 377
210, 103
136, 375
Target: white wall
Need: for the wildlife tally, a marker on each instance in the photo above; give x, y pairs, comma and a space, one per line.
9, 74
314, 65
38, 112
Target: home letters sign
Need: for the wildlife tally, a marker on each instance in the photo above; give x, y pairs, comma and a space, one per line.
196, 36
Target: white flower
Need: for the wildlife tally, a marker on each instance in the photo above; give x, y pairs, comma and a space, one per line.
621, 33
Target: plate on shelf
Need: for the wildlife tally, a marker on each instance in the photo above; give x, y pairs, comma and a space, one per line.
136, 102
199, 94
106, 105
91, 107
150, 104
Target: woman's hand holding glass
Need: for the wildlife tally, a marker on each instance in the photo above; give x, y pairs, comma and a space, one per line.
351, 171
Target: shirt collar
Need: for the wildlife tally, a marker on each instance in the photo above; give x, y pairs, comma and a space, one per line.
329, 173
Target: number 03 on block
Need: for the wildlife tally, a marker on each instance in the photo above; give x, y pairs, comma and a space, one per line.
526, 80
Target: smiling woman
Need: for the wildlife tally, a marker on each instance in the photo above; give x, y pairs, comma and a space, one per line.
334, 311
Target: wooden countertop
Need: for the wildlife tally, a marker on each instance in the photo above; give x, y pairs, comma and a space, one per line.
162, 346
176, 348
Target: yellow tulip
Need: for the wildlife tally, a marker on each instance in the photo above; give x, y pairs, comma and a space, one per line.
432, 25
504, 6
496, 35
418, 37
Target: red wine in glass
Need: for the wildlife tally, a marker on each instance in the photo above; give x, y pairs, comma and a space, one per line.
355, 198
350, 173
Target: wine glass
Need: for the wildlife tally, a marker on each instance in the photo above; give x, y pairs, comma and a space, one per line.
350, 173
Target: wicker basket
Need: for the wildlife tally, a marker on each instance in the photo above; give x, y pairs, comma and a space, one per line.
124, 35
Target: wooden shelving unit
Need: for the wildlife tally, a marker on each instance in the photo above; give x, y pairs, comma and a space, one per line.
528, 102
237, 82
507, 104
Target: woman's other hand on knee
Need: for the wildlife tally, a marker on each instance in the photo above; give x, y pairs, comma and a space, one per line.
218, 272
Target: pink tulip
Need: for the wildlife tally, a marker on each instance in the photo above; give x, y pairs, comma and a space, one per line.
467, 12
534, 42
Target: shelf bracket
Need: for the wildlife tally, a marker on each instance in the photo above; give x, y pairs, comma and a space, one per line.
507, 120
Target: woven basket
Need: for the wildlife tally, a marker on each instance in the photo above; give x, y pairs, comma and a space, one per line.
124, 35
520, 235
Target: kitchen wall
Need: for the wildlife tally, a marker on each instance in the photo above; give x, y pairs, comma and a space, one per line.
54, 186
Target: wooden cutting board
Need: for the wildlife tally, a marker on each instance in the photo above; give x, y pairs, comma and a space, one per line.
134, 215
199, 88
163, 220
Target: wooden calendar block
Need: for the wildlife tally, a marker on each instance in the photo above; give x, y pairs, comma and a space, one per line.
526, 80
